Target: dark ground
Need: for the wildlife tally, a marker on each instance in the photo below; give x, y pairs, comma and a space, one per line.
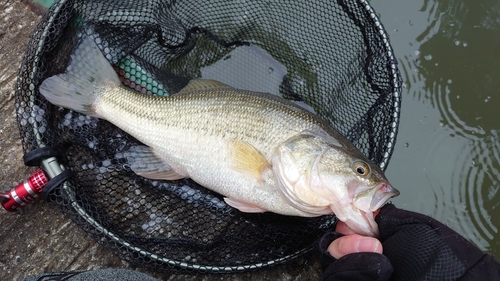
39, 238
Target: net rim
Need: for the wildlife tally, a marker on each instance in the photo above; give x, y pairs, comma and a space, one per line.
397, 82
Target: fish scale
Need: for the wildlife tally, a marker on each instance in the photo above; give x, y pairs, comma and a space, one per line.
233, 113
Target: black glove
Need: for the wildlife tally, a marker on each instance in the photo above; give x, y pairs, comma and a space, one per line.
416, 247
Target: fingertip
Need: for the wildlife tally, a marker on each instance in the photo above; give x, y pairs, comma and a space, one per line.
354, 243
368, 244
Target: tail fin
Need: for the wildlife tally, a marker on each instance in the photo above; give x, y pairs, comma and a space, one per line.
85, 79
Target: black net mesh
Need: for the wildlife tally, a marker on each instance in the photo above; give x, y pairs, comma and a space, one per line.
333, 56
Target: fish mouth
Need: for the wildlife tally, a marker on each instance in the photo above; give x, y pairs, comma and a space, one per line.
362, 223
370, 201
382, 195
365, 206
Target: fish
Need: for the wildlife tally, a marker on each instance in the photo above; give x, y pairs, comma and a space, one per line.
261, 152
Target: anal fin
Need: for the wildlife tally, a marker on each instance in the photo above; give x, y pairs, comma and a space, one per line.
244, 206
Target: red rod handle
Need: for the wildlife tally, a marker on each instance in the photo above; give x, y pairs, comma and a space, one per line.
25, 192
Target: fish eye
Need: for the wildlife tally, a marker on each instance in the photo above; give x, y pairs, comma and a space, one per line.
361, 168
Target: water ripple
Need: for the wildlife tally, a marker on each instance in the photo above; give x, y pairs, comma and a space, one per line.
476, 183
450, 69
469, 198
443, 102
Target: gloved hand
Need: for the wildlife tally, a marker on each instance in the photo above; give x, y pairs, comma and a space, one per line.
415, 247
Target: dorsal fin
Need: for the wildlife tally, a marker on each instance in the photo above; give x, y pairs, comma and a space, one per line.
203, 84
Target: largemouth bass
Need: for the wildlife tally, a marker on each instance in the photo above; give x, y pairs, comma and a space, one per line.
261, 152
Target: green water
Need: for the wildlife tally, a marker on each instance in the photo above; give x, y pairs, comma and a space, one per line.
447, 159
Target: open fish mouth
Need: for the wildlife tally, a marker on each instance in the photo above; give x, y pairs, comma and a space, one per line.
367, 205
375, 199
360, 222
382, 195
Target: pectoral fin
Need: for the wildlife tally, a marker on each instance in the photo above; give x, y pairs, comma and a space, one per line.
244, 206
146, 163
247, 159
